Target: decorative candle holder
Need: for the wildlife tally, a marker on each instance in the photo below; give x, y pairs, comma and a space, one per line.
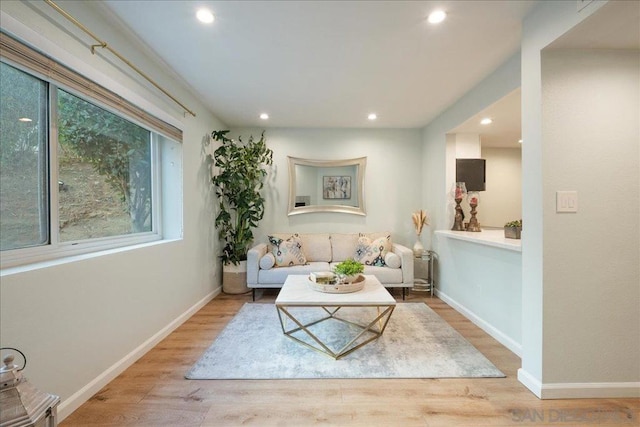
473, 198
459, 193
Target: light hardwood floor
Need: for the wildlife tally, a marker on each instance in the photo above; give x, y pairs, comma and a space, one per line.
153, 392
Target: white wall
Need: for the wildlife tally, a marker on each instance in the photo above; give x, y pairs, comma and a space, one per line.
393, 178
545, 329
468, 145
82, 321
482, 282
502, 200
591, 144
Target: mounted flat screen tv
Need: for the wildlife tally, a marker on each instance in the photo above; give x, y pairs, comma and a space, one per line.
472, 172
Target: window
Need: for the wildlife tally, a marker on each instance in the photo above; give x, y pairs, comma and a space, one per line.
76, 173
24, 195
104, 172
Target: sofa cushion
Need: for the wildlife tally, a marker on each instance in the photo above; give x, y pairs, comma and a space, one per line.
287, 252
372, 252
279, 275
392, 260
385, 275
267, 261
317, 247
343, 246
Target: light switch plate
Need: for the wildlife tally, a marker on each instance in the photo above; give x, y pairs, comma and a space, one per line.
566, 201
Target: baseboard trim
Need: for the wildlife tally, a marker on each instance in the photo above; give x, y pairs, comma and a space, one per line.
579, 390
482, 324
530, 382
590, 390
69, 405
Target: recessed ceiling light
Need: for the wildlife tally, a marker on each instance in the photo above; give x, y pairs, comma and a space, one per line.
205, 15
25, 119
264, 116
486, 121
372, 116
437, 16
519, 141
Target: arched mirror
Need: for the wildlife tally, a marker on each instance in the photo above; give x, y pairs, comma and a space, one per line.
326, 186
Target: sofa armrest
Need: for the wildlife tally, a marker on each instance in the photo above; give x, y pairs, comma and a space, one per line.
253, 262
406, 255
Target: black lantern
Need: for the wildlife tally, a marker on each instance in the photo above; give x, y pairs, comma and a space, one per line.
22, 404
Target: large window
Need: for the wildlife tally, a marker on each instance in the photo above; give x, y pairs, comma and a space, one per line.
74, 173
104, 172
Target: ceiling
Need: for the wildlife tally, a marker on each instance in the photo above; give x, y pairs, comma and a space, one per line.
505, 131
323, 64
595, 32
598, 31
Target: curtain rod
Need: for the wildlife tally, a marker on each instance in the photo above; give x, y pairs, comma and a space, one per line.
104, 45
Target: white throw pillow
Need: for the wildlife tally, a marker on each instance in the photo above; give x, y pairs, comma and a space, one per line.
392, 260
267, 261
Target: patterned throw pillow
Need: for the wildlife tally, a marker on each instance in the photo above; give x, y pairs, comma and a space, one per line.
372, 252
287, 252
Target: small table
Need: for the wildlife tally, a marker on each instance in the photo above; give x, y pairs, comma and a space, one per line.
423, 273
296, 293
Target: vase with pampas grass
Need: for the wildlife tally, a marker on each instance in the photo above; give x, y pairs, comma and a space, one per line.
420, 219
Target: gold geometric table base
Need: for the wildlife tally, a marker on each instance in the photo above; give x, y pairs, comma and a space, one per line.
381, 320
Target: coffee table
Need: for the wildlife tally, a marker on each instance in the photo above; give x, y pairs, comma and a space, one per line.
296, 293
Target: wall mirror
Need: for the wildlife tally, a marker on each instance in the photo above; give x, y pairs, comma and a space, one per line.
326, 186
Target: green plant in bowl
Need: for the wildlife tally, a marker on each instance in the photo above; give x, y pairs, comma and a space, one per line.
349, 270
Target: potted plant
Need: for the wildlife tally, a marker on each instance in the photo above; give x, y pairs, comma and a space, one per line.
348, 270
513, 229
240, 173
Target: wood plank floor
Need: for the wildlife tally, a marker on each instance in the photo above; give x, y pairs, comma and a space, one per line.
153, 392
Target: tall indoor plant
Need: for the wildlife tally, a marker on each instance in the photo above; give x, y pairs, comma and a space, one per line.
240, 174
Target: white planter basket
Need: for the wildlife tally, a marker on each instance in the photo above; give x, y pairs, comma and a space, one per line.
234, 278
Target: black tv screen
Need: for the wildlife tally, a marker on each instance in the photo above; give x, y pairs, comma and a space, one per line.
472, 172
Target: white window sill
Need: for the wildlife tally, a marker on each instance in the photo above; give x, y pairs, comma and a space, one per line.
81, 257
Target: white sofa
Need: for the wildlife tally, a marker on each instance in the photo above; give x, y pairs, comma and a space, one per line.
320, 252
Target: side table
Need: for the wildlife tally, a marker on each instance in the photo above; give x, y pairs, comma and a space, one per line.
423, 273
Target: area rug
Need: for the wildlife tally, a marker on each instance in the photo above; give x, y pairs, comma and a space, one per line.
417, 343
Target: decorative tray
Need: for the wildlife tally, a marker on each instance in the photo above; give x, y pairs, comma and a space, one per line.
338, 288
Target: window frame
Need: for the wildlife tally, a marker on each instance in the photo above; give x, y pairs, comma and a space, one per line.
54, 248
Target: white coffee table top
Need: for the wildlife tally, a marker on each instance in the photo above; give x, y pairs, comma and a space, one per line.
296, 291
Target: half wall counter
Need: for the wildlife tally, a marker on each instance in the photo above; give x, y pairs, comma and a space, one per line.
487, 237
480, 275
